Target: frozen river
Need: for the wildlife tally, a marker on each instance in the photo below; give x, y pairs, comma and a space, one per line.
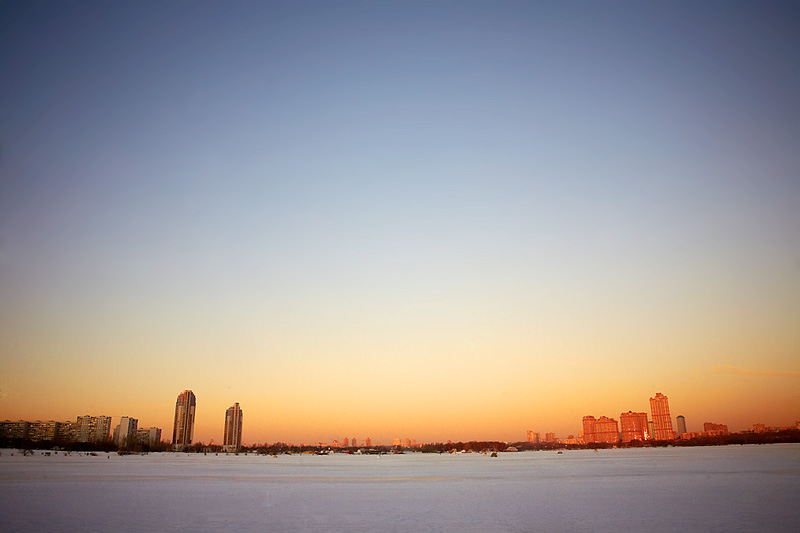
731, 488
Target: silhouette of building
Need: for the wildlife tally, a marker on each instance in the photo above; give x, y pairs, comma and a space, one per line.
232, 441
183, 427
681, 424
662, 423
353, 442
634, 426
533, 437
711, 429
368, 442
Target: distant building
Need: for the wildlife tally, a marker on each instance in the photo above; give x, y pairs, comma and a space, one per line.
597, 430
397, 441
607, 430
368, 442
14, 429
353, 442
67, 431
148, 436
43, 431
125, 432
533, 437
759, 428
662, 423
233, 429
681, 424
346, 442
550, 437
93, 428
183, 427
634, 426
589, 429
712, 430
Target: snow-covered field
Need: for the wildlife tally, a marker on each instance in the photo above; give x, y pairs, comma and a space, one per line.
731, 488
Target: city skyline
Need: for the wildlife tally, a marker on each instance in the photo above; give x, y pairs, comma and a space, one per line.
603, 430
427, 219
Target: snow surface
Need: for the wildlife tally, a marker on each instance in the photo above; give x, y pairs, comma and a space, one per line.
730, 488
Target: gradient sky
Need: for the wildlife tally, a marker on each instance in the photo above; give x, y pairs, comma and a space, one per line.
437, 220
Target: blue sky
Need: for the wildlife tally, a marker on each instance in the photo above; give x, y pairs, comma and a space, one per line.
606, 185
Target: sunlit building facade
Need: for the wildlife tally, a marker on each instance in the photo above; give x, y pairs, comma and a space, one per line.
662, 423
607, 430
233, 429
589, 429
93, 428
600, 430
183, 427
125, 432
634, 426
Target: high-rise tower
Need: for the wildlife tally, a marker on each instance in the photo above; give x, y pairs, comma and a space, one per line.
125, 432
662, 423
233, 429
183, 429
681, 424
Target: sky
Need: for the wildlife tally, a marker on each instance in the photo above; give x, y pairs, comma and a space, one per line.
436, 220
